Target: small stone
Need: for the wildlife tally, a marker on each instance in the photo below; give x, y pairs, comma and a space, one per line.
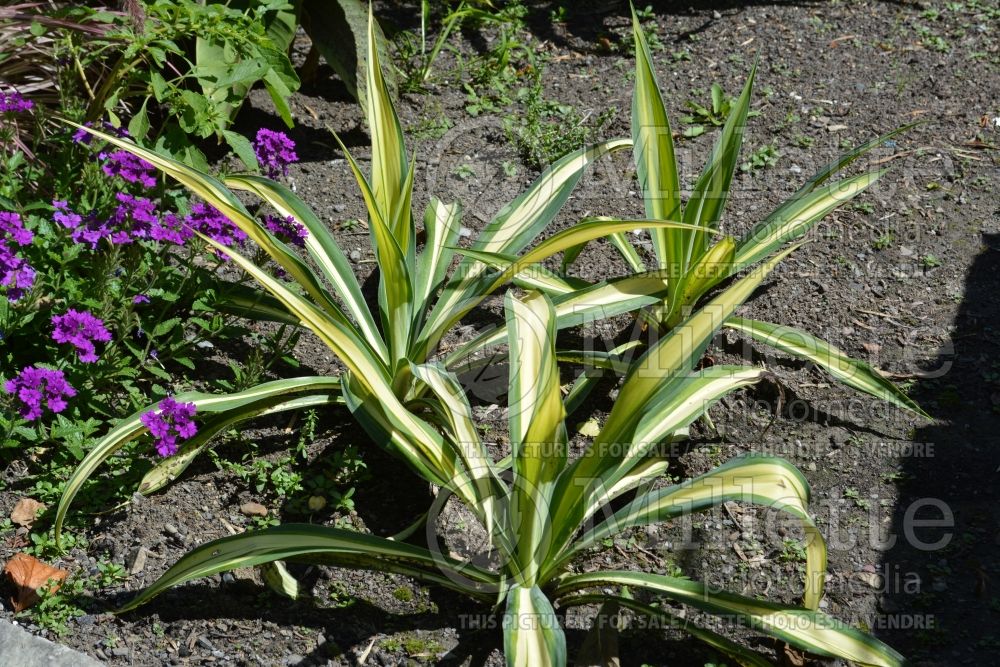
137, 560
464, 232
86, 620
355, 256
340, 208
205, 643
120, 652
716, 14
218, 655
228, 578
293, 659
811, 466
253, 509
170, 529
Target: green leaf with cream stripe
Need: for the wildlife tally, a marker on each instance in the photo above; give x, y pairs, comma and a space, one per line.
532, 636
740, 654
852, 372
293, 541
792, 220
653, 150
808, 630
250, 403
322, 247
537, 431
762, 480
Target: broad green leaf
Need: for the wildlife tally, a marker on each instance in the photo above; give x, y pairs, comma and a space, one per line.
322, 544
852, 372
809, 630
532, 636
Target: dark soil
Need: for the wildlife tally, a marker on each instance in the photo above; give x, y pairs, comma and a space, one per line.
908, 279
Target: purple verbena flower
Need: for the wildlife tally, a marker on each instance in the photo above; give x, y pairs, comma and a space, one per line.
140, 298
288, 229
274, 151
81, 136
80, 329
133, 219
91, 231
65, 216
171, 421
12, 226
15, 273
37, 385
170, 229
210, 222
13, 102
129, 167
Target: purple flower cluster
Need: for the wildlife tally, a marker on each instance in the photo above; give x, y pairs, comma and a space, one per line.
37, 385
274, 151
129, 167
15, 273
135, 218
173, 420
12, 102
288, 229
210, 222
80, 329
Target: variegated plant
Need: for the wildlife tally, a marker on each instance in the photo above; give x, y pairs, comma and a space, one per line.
692, 260
421, 296
555, 509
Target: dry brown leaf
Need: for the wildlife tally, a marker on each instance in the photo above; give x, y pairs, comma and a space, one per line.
871, 348
793, 657
27, 574
25, 512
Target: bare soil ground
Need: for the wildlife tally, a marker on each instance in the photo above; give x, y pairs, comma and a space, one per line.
908, 279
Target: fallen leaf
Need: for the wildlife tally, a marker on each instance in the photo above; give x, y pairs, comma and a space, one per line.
25, 512
28, 575
253, 509
793, 657
871, 348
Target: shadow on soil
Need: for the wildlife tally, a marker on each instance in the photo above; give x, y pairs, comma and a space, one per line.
946, 525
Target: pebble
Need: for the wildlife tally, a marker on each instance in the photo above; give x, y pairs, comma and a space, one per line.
87, 619
227, 578
137, 560
355, 256
293, 659
205, 643
120, 652
170, 529
340, 208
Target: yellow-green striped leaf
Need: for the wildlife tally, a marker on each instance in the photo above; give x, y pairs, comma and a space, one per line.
532, 636
852, 372
809, 630
537, 431
250, 402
